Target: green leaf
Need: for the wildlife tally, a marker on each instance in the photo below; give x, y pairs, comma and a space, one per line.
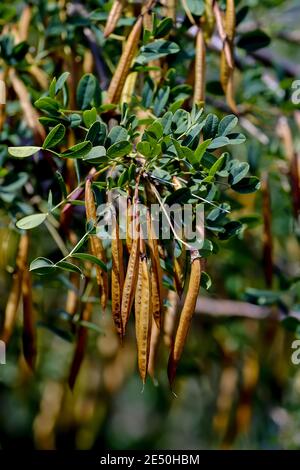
117, 134
61, 183
144, 148
155, 50
163, 27
48, 104
85, 91
119, 149
217, 165
97, 133
237, 171
205, 280
196, 7
91, 258
75, 120
42, 266
253, 40
247, 185
23, 152
61, 81
236, 139
69, 267
155, 130
89, 117
200, 150
231, 229
218, 142
31, 221
98, 152
55, 136
210, 127
78, 150
161, 100
227, 124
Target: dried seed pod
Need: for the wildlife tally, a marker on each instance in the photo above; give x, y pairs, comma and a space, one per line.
129, 87
199, 86
16, 289
186, 316
117, 82
145, 320
179, 271
113, 17
29, 330
156, 274
96, 244
80, 345
154, 345
227, 60
209, 20
129, 219
170, 318
117, 276
138, 299
130, 282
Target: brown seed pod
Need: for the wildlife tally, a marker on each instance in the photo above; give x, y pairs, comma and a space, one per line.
117, 82
16, 289
199, 86
129, 218
154, 345
80, 345
156, 274
129, 86
186, 316
113, 17
96, 244
179, 271
145, 320
138, 299
170, 318
130, 281
29, 330
117, 276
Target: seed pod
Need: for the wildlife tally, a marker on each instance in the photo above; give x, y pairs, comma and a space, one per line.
156, 274
117, 276
96, 244
170, 318
15, 292
145, 321
186, 316
129, 87
179, 271
131, 274
169, 9
80, 346
29, 330
138, 299
129, 218
117, 82
199, 86
209, 20
154, 345
227, 60
113, 17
